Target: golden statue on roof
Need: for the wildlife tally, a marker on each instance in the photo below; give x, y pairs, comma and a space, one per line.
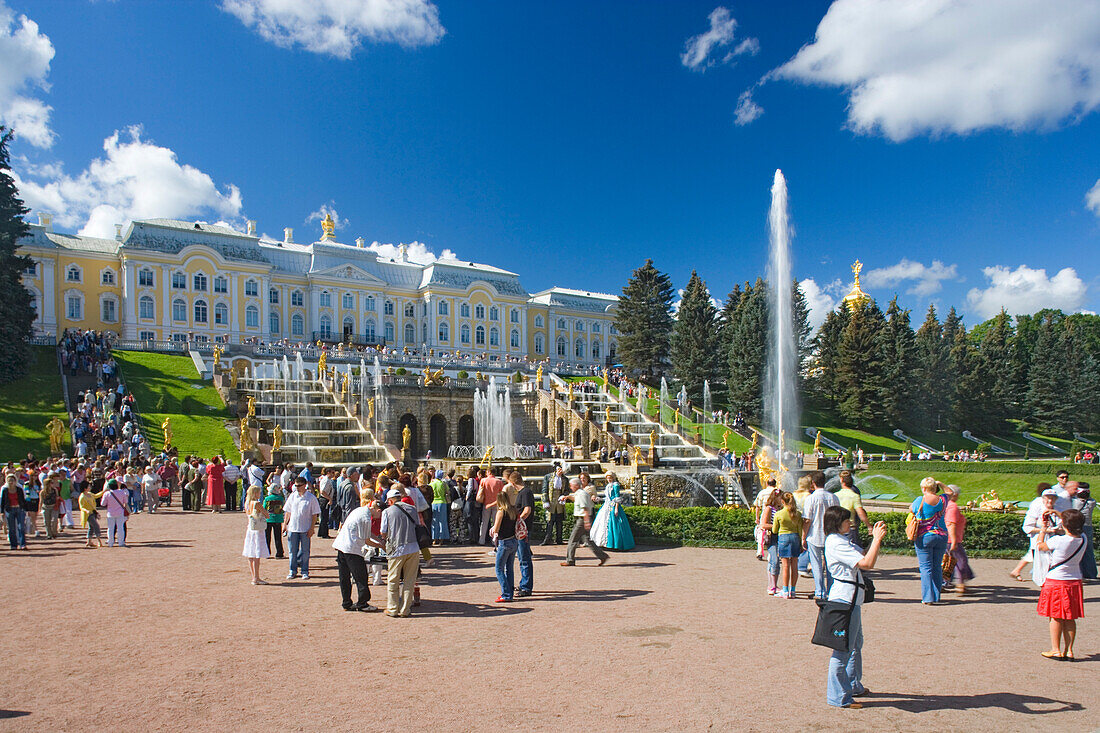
856, 297
328, 226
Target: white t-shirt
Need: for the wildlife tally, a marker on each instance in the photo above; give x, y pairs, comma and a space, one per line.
299, 511
353, 532
841, 557
256, 475
150, 481
816, 504
582, 503
1062, 547
418, 499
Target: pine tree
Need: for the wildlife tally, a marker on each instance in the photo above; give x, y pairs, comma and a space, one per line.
644, 322
16, 309
695, 339
1048, 380
972, 387
933, 391
861, 374
748, 352
899, 349
996, 352
827, 349
727, 317
802, 330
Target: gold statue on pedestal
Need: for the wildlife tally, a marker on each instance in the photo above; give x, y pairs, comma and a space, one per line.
638, 456
322, 364
234, 375
217, 357
406, 438
538, 377
765, 467
605, 382
487, 458
570, 392
276, 438
652, 438
56, 429
754, 437
328, 227
607, 414
246, 436
251, 407
817, 443
726, 440
433, 378
166, 426
370, 408
344, 385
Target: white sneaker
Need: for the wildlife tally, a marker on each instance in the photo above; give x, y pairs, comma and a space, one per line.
291, 576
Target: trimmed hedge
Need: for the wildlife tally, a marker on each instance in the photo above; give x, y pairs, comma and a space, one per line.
1037, 468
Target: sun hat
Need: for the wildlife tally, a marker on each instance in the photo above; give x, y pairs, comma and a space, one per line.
1050, 492
393, 494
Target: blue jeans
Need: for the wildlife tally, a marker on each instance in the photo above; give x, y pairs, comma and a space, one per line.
1088, 562
846, 668
930, 548
821, 573
526, 566
804, 561
17, 527
298, 546
773, 561
506, 575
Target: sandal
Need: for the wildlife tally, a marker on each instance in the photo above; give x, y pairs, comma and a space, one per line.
1053, 655
1016, 576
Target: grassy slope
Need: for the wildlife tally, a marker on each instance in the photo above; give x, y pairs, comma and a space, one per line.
27, 404
1009, 486
195, 407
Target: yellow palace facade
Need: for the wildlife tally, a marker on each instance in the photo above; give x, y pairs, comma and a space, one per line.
165, 279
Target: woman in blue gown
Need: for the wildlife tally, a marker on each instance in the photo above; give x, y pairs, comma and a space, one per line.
611, 528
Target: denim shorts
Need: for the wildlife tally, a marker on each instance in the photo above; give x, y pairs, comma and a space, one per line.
790, 544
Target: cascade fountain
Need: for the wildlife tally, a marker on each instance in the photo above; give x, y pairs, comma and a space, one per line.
708, 405
781, 410
493, 419
661, 406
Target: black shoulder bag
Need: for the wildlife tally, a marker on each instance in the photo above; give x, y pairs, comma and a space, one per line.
834, 619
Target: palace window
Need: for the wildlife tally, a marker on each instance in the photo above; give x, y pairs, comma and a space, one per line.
72, 274
109, 310
410, 333
251, 288
200, 282
179, 337
444, 308
494, 336
107, 278
349, 325
465, 334
273, 323
444, 332
297, 325
612, 330
515, 338
31, 269
348, 301
326, 327
410, 310
368, 304
326, 299
221, 314
595, 350
514, 315
147, 335
578, 326
179, 280
561, 324
595, 328
538, 321
252, 317
540, 344
200, 311
368, 331
221, 285
494, 314
611, 350
145, 278
179, 311
387, 308
74, 308
273, 296
578, 349
561, 346
297, 298
464, 310
479, 336
387, 332
479, 312
146, 308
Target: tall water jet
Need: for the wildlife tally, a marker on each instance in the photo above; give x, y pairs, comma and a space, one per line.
661, 406
781, 410
493, 418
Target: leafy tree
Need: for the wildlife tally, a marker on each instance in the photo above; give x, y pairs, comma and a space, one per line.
16, 311
861, 374
695, 339
644, 322
748, 352
934, 390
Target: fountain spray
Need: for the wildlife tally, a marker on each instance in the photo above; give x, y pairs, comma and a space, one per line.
781, 410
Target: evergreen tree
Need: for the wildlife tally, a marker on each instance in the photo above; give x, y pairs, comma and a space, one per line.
748, 352
933, 389
972, 388
899, 351
727, 317
861, 374
1049, 405
16, 310
695, 339
824, 383
996, 353
802, 330
644, 322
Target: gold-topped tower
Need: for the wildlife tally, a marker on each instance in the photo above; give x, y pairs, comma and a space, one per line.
856, 297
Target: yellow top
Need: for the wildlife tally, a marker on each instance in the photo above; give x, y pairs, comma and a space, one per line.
784, 523
88, 504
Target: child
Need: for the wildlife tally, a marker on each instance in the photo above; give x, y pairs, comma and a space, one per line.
254, 547
89, 517
787, 526
376, 559
273, 505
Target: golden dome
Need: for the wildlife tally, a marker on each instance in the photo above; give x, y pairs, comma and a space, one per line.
856, 296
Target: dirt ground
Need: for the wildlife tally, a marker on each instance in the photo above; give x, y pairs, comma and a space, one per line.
168, 634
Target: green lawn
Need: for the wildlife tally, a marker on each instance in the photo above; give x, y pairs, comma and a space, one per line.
166, 385
27, 404
906, 484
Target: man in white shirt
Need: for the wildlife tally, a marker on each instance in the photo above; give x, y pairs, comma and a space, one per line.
150, 484
230, 475
299, 511
256, 475
350, 545
813, 531
582, 525
398, 532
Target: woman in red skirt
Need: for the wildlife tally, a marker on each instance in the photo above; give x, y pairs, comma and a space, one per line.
1061, 598
215, 484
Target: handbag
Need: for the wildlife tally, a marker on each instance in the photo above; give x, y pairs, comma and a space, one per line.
457, 504
521, 529
833, 621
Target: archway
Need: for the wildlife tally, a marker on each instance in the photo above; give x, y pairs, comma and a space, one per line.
466, 430
595, 446
437, 435
545, 421
409, 420
577, 437
561, 429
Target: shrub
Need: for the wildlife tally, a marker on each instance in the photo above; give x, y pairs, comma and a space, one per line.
401, 371
1035, 468
463, 374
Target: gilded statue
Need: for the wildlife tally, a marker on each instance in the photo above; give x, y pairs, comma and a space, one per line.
607, 414
638, 456
251, 407
754, 437
370, 408
56, 429
431, 377
605, 382
570, 391
652, 438
322, 363
726, 440
588, 412
406, 438
344, 385
246, 436
166, 426
817, 442
328, 226
538, 377
487, 458
765, 466
234, 375
217, 357
676, 418
276, 438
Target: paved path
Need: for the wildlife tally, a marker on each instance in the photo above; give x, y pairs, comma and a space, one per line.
662, 639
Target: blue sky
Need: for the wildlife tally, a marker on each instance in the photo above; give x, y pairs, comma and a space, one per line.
953, 153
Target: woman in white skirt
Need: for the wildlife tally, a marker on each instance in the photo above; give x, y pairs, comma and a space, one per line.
255, 546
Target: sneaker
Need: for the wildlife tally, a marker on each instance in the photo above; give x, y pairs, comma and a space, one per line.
567, 564
291, 576
771, 591
368, 608
522, 593
305, 576
502, 599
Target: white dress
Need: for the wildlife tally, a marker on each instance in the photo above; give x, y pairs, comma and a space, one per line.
601, 524
254, 543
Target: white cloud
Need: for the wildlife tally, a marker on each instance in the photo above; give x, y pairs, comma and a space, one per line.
697, 50
1024, 291
135, 179
25, 56
338, 27
747, 110
417, 251
1092, 198
328, 209
927, 279
817, 300
956, 66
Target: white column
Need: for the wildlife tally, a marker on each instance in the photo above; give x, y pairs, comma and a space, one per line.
49, 297
234, 306
128, 316
313, 321
166, 300
265, 285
